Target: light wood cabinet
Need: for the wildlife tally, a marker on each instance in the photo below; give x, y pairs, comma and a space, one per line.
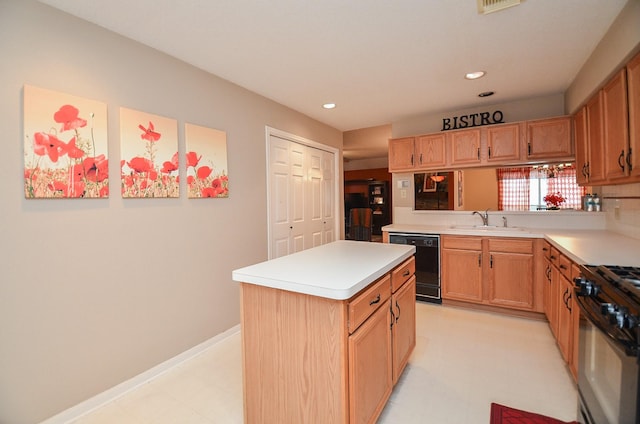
549, 138
582, 146
511, 273
313, 359
465, 147
496, 271
403, 327
503, 143
430, 151
461, 270
370, 373
607, 131
616, 127
560, 308
633, 90
401, 154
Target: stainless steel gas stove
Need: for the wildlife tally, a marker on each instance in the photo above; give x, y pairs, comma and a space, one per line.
609, 344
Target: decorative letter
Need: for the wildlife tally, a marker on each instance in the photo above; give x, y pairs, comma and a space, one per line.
485, 118
497, 117
446, 124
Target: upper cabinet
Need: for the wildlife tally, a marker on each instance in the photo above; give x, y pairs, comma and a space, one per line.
492, 145
549, 138
607, 131
633, 93
409, 153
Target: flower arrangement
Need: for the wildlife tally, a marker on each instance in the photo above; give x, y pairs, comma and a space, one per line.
554, 200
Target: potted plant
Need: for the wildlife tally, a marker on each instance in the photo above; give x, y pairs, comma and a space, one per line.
554, 200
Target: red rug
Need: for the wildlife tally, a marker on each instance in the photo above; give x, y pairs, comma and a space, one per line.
501, 414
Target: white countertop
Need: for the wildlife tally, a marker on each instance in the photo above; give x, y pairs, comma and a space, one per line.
593, 247
336, 270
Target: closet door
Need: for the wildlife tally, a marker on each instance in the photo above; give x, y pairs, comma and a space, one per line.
301, 196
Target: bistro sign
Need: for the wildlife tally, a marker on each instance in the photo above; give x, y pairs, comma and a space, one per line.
472, 120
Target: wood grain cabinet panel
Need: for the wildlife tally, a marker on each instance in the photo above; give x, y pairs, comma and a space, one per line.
511, 273
430, 151
401, 154
503, 143
549, 138
309, 359
465, 147
633, 90
616, 126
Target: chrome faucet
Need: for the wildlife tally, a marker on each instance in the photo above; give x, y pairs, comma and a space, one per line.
484, 216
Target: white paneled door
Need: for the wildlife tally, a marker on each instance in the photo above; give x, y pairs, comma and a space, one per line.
301, 194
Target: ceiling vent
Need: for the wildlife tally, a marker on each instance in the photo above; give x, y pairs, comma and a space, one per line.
489, 6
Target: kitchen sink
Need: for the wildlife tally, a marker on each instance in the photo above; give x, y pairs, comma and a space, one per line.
485, 228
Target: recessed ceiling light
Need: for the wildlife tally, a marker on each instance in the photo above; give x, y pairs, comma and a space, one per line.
486, 94
329, 105
474, 75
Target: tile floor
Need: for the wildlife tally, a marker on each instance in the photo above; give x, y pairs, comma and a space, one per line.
463, 361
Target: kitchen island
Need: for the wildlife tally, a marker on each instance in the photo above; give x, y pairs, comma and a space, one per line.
326, 332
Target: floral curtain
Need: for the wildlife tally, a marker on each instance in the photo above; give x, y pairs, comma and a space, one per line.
513, 189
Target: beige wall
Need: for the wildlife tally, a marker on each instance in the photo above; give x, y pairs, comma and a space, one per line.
94, 292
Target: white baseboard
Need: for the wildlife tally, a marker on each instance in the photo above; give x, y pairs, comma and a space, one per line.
115, 392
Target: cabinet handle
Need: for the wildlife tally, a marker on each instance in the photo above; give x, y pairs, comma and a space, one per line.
587, 172
564, 297
629, 160
478, 153
568, 299
549, 274
552, 257
529, 149
376, 300
479, 259
544, 249
398, 308
411, 159
562, 266
489, 152
621, 160
420, 158
490, 261
393, 317
406, 273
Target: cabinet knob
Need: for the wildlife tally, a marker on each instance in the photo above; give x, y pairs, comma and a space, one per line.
376, 300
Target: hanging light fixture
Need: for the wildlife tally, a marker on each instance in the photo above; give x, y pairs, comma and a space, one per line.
437, 178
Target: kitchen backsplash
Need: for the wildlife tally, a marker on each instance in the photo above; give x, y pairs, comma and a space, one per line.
621, 205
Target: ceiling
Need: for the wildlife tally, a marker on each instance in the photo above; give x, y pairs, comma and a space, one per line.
380, 61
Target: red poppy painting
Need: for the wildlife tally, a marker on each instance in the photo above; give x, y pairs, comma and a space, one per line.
65, 146
149, 146
206, 156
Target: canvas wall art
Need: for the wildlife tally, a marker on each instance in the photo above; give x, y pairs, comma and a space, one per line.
65, 146
149, 165
206, 156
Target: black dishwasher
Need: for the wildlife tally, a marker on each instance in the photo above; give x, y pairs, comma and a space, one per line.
427, 263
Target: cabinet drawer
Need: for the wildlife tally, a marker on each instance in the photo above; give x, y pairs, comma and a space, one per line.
366, 303
499, 244
402, 273
546, 250
564, 265
460, 242
554, 257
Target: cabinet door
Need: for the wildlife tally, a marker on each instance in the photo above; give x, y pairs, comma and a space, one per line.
370, 374
582, 146
633, 89
403, 306
615, 119
511, 280
401, 154
549, 138
554, 300
565, 295
503, 143
595, 137
430, 151
462, 269
465, 147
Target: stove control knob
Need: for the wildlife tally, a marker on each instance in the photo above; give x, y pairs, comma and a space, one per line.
586, 287
607, 308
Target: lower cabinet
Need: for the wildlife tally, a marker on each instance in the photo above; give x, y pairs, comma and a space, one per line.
312, 359
497, 271
370, 371
560, 307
